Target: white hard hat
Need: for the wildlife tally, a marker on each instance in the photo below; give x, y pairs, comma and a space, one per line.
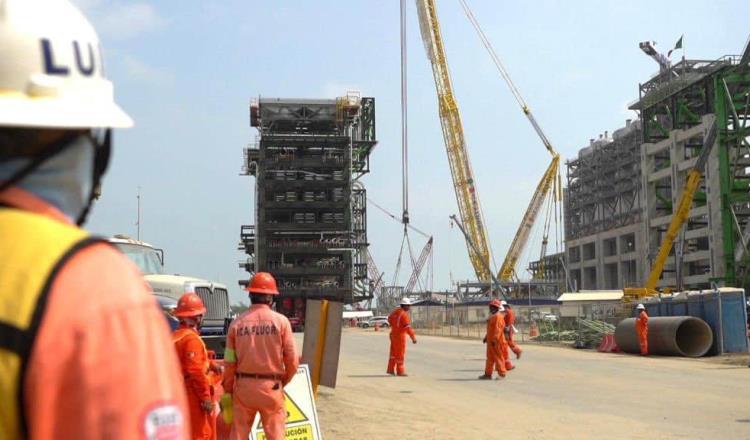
405, 302
51, 74
503, 302
640, 307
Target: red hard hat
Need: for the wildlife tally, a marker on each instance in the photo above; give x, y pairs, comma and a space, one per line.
189, 305
263, 283
495, 303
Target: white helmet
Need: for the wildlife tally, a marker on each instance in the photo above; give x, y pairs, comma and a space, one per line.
640, 307
405, 302
503, 302
51, 74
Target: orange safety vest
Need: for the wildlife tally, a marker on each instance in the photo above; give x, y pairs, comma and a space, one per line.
33, 249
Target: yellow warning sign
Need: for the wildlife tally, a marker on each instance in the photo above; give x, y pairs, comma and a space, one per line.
293, 413
301, 416
300, 432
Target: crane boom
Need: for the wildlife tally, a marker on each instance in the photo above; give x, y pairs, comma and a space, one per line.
679, 217
507, 270
455, 144
550, 179
419, 266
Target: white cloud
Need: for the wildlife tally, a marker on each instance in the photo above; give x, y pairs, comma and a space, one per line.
140, 71
122, 20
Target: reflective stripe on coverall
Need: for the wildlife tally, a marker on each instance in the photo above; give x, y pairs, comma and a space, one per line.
496, 347
102, 364
191, 351
510, 319
641, 328
259, 342
400, 327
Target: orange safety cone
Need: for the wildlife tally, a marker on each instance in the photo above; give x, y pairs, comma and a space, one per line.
533, 331
377, 326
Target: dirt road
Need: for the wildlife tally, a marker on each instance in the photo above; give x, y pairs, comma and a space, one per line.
555, 393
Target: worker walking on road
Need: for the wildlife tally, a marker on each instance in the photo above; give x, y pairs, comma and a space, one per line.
260, 361
641, 328
400, 327
196, 366
84, 352
495, 341
510, 329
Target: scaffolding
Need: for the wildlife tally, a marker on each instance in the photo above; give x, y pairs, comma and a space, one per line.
675, 106
603, 190
310, 207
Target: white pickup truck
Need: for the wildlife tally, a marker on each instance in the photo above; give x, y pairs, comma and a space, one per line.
168, 288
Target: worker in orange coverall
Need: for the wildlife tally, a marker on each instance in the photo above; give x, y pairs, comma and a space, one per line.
400, 327
510, 329
641, 328
260, 361
197, 368
495, 341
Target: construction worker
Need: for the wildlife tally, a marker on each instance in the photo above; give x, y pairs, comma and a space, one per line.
510, 329
641, 328
85, 352
495, 341
260, 361
196, 366
400, 327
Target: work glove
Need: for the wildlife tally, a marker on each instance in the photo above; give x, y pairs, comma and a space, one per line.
227, 411
484, 340
207, 405
413, 341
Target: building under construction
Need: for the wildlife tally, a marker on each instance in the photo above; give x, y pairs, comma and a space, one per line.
310, 226
623, 190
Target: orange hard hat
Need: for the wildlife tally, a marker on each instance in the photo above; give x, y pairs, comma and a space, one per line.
189, 305
263, 283
495, 303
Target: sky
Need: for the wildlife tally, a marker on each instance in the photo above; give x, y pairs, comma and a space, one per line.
186, 72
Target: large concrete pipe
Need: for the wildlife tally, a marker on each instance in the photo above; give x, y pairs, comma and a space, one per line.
672, 336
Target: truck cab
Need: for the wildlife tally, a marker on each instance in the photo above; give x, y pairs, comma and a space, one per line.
169, 288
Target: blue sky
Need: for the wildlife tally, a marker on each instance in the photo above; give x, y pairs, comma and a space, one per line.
186, 71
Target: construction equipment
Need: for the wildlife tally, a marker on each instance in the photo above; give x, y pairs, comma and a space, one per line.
550, 181
679, 217
486, 263
455, 143
419, 266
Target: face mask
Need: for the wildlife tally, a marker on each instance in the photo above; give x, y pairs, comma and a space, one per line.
65, 180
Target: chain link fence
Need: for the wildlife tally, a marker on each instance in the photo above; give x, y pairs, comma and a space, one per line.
582, 325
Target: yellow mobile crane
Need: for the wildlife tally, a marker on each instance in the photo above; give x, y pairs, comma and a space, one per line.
466, 194
550, 181
679, 217
455, 143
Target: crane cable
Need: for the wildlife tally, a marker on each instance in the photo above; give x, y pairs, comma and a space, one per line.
504, 73
404, 124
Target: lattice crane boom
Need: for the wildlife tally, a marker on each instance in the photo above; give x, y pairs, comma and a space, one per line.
419, 266
551, 178
455, 143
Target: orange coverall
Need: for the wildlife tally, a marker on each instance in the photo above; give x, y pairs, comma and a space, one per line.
496, 346
641, 328
102, 364
400, 327
260, 342
195, 363
510, 319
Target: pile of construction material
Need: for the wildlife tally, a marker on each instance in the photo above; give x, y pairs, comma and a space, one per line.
589, 332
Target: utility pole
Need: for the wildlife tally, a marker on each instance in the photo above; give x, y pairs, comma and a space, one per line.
138, 216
